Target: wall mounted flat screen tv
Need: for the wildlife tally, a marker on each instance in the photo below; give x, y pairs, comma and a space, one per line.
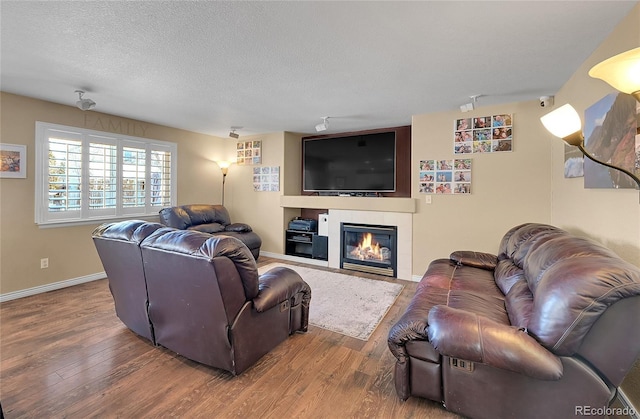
359, 163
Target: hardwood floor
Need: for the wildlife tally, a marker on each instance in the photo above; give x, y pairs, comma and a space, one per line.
66, 354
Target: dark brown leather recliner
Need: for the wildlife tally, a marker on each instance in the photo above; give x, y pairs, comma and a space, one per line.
212, 219
118, 245
205, 298
547, 328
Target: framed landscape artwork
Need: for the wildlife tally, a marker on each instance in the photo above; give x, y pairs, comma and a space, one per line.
13, 161
611, 135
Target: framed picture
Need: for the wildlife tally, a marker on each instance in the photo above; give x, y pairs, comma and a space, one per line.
249, 152
486, 134
13, 161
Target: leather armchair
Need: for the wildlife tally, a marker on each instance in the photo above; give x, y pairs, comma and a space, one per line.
212, 219
118, 245
206, 300
548, 326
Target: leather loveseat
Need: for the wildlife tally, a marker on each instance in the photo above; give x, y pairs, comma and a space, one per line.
200, 295
212, 219
548, 328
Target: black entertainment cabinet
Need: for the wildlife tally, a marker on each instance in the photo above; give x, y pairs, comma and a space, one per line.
306, 244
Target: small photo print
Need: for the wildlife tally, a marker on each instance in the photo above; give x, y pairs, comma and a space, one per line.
463, 148
427, 165
484, 122
482, 146
462, 176
463, 124
501, 120
463, 188
443, 188
428, 187
502, 145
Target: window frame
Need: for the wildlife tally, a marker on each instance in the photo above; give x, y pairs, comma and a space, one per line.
86, 215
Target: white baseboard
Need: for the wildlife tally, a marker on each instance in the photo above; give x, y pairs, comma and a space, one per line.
308, 261
634, 413
51, 287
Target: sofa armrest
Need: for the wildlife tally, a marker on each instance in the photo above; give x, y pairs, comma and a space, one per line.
480, 260
461, 334
278, 285
411, 326
238, 228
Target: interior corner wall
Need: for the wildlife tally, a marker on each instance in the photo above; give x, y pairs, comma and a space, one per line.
610, 216
262, 210
508, 188
70, 250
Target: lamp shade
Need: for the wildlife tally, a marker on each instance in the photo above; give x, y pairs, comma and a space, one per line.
564, 123
621, 71
224, 164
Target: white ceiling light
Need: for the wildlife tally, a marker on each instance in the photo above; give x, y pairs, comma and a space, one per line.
324, 125
84, 104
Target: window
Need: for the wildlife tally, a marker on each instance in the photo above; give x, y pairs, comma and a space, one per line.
84, 175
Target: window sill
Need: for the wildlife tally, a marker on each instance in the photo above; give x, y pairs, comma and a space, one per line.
97, 221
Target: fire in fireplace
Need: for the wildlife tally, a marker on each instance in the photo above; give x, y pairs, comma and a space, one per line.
368, 248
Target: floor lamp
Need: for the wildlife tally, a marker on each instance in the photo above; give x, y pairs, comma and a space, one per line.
622, 72
224, 166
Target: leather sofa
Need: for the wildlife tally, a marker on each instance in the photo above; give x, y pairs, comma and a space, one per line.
200, 295
212, 219
548, 327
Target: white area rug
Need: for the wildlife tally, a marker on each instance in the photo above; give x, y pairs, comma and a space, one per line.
345, 304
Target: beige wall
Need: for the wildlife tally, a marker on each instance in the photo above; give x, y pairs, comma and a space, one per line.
70, 250
607, 215
262, 210
508, 188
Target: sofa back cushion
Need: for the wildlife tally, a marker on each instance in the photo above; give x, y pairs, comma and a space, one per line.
198, 245
186, 216
516, 242
573, 280
206, 214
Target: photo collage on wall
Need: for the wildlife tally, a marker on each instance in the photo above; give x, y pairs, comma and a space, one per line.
266, 179
445, 176
249, 152
487, 134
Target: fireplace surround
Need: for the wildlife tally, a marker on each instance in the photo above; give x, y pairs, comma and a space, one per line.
369, 248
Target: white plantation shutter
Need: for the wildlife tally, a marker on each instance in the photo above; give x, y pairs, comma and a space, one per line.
84, 175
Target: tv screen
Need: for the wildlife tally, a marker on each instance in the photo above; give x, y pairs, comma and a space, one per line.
359, 163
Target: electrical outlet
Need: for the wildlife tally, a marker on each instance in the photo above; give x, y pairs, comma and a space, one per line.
427, 199
44, 263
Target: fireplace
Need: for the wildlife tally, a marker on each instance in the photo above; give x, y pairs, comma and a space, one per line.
369, 248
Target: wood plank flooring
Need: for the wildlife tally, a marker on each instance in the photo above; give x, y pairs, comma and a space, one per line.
65, 354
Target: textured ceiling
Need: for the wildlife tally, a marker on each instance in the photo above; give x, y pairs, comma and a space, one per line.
280, 66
